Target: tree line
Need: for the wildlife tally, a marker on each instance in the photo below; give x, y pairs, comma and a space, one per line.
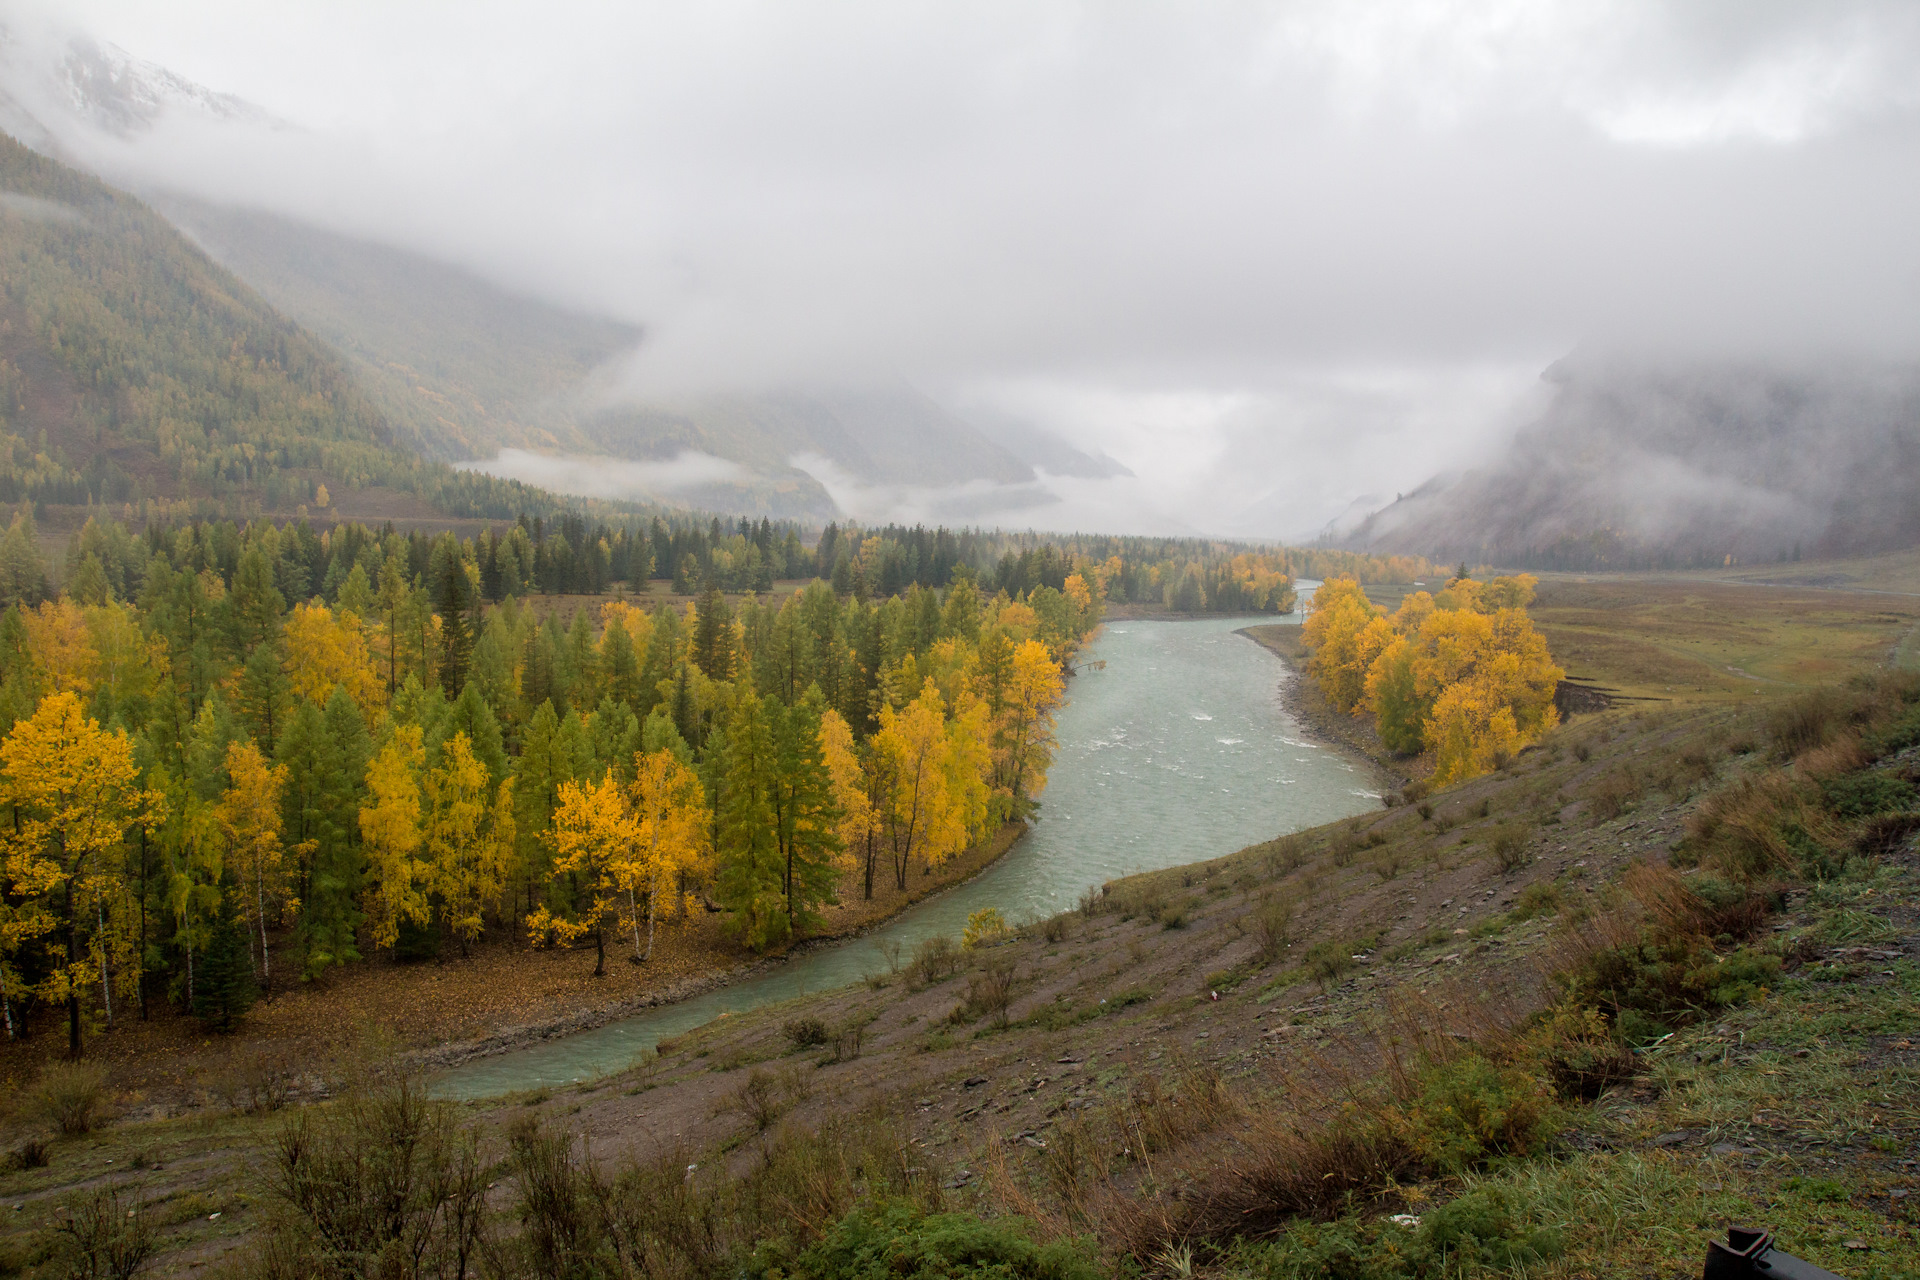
1461, 674
240, 755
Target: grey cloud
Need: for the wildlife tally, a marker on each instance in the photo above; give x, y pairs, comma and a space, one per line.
1129, 208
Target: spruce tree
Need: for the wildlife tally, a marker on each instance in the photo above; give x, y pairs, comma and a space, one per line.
223, 986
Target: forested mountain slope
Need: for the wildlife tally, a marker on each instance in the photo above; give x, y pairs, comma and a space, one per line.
1637, 464
133, 368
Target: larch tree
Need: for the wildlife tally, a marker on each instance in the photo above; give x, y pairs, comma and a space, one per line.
250, 822
74, 791
669, 812
751, 879
468, 838
854, 790
910, 751
592, 836
324, 651
390, 832
806, 811
1029, 699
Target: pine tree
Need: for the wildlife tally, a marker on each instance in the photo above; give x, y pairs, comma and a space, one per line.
223, 985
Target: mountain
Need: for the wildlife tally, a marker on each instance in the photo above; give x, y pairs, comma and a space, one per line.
463, 370
133, 368
1639, 463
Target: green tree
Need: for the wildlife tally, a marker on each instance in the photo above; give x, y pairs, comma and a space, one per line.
453, 602
224, 987
262, 692
751, 880
806, 814
713, 635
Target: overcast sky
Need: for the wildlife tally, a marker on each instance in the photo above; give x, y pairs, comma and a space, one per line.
1272, 257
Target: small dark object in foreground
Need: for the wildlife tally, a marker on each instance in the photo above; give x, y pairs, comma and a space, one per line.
1751, 1253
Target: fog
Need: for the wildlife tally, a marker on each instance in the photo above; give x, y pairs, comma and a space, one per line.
1277, 260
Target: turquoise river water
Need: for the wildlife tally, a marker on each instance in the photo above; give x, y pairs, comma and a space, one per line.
1176, 750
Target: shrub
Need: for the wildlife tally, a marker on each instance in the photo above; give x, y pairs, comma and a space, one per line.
1868, 795
1469, 1111
1613, 791
1578, 1053
71, 1094
380, 1181
1326, 961
1806, 722
934, 959
1272, 922
805, 1033
1509, 846
31, 1154
758, 1099
984, 927
1483, 1227
1054, 928
256, 1081
990, 992
1649, 987
845, 1045
99, 1236
1541, 898
897, 1241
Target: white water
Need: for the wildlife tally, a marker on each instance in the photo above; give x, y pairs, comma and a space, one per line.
1178, 750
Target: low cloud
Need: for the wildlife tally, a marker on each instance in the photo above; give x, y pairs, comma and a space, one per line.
615, 478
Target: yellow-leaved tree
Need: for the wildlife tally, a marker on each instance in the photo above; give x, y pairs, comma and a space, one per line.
468, 837
1463, 675
390, 833
1024, 733
248, 816
670, 840
73, 793
62, 647
1345, 633
593, 836
856, 788
910, 752
324, 651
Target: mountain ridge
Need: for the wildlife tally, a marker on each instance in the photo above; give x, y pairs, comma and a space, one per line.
1640, 463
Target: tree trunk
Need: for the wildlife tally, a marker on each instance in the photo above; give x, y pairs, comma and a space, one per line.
73, 959
653, 911
106, 961
6, 1006
260, 912
600, 951
140, 966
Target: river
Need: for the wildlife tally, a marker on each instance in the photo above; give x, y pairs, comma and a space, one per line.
1176, 751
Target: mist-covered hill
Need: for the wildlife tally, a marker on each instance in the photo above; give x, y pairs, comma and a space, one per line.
1639, 463
132, 367
462, 369
465, 369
